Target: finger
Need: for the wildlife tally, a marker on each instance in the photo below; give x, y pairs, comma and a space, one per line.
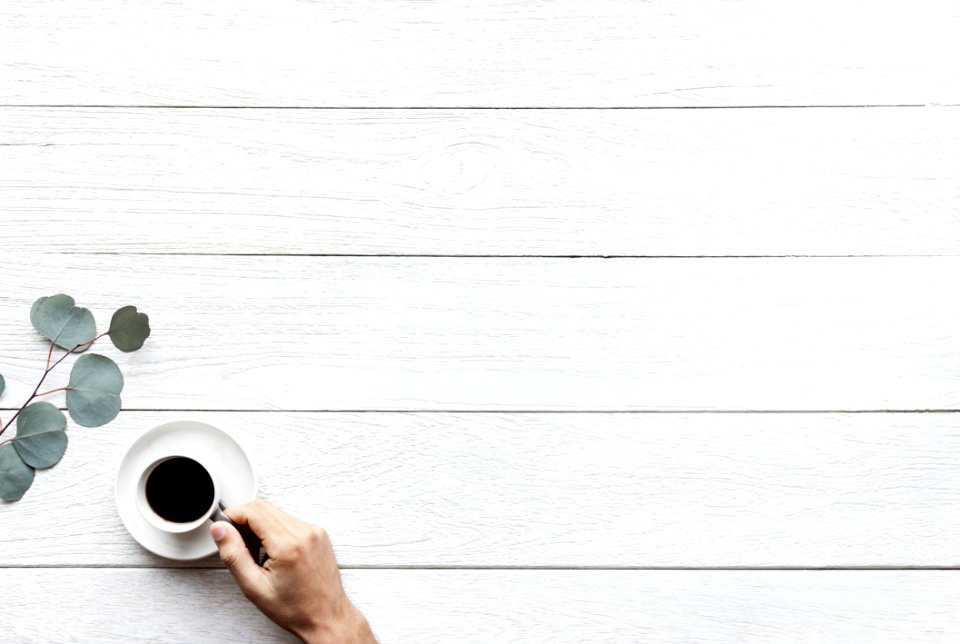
299, 529
234, 553
270, 524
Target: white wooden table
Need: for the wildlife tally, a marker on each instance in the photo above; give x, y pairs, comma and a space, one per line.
551, 365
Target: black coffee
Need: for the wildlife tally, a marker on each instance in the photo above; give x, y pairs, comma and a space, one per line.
180, 490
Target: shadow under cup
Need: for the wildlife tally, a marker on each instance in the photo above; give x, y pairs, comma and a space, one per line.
177, 493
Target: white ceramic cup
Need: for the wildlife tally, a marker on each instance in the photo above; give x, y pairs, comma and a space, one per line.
158, 521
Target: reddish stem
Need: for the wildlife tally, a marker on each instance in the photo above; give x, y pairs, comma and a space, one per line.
53, 343
52, 391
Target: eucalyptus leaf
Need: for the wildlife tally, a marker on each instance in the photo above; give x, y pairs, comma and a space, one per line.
41, 440
56, 318
16, 477
93, 393
3, 384
128, 328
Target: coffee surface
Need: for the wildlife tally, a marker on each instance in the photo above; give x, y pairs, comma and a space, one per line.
180, 490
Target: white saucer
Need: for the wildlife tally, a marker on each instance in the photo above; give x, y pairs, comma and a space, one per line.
238, 482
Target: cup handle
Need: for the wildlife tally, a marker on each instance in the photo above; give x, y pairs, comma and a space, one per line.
249, 538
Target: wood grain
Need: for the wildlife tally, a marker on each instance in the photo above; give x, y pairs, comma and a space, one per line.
382, 292
470, 53
425, 606
572, 490
322, 333
481, 182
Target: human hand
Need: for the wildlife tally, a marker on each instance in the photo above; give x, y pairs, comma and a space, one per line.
299, 586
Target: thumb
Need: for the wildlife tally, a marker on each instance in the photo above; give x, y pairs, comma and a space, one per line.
236, 557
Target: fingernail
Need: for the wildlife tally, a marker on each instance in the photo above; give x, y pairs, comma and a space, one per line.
218, 531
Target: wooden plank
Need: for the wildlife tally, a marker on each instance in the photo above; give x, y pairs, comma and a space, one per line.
694, 182
610, 490
470, 53
326, 333
503, 606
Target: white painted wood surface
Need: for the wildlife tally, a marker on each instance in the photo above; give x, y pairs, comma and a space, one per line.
548, 490
331, 333
485, 606
470, 52
466, 427
482, 182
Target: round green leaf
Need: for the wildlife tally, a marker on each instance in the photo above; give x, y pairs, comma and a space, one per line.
41, 440
16, 477
56, 318
128, 329
93, 393
3, 384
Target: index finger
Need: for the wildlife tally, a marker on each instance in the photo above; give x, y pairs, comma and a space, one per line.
267, 522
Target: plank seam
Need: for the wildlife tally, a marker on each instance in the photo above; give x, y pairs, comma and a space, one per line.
519, 568
467, 107
479, 256
534, 411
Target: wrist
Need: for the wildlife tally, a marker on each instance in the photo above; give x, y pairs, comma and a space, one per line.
350, 627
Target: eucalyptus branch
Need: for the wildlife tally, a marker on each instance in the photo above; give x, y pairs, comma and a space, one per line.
93, 390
